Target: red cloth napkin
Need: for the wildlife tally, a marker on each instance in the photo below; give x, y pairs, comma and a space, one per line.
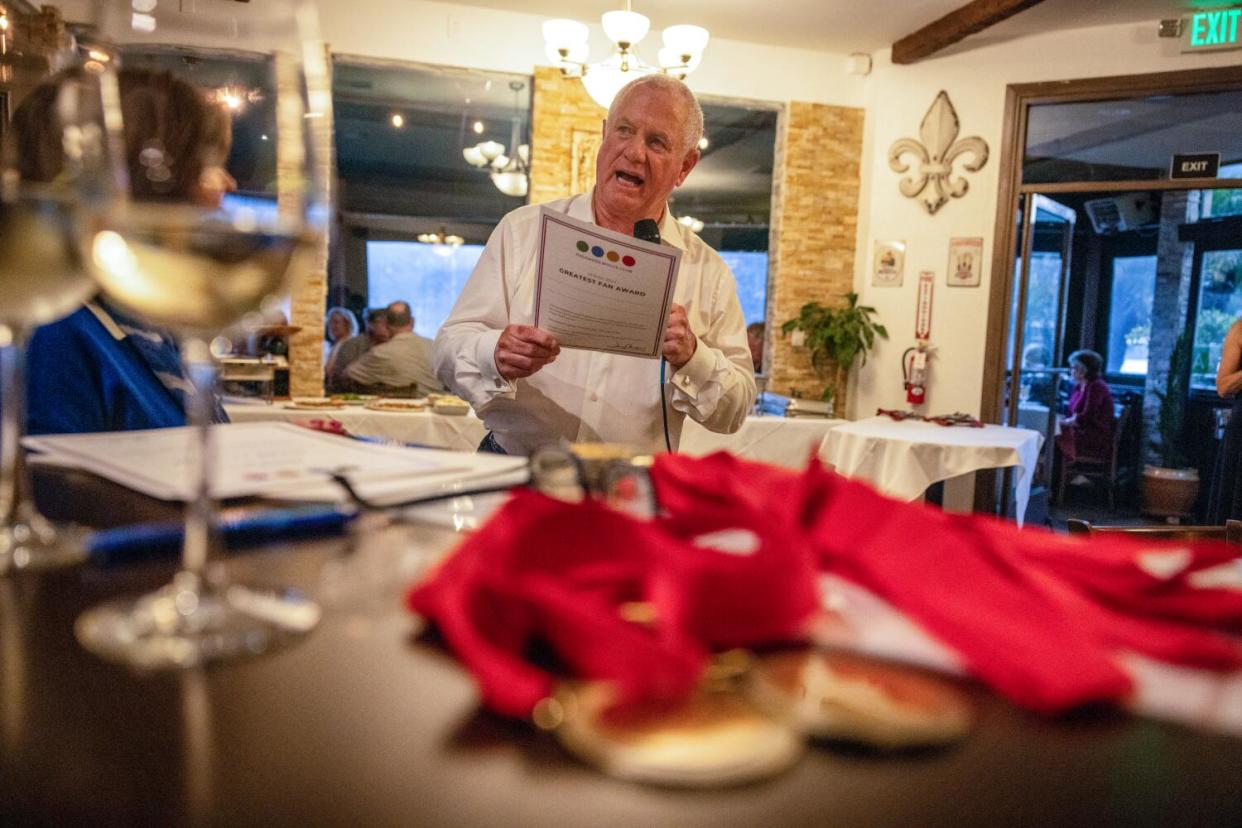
1034, 615
544, 571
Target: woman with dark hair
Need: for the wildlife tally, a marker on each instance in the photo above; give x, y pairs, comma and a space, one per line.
100, 369
1088, 430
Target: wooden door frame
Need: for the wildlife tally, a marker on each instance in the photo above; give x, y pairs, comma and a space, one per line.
1018, 99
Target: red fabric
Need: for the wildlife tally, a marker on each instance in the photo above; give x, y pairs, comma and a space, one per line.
1035, 615
545, 571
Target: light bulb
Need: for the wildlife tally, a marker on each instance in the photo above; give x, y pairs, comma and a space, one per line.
474, 157
625, 27
510, 183
686, 39
490, 150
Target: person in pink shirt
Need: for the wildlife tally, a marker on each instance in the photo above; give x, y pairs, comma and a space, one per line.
1088, 430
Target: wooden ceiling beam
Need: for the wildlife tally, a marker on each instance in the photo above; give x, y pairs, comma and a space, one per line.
970, 19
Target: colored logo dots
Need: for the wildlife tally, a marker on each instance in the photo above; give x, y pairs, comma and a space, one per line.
599, 253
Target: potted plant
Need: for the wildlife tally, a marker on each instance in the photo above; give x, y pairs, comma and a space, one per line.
836, 336
1170, 489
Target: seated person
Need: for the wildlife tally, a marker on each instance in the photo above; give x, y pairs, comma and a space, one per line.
100, 369
347, 352
400, 366
1088, 430
339, 325
754, 339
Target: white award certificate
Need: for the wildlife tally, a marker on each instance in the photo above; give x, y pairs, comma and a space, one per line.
602, 291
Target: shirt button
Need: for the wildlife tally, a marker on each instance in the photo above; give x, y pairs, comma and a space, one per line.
595, 398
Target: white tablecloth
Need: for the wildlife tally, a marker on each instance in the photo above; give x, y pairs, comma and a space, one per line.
903, 458
424, 428
782, 441
785, 441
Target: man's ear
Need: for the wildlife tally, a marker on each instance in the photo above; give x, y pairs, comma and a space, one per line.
691, 159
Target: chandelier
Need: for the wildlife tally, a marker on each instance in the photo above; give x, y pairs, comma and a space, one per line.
565, 43
444, 243
510, 173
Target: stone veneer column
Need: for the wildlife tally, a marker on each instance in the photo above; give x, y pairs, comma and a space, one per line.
813, 234
565, 122
1174, 262
309, 301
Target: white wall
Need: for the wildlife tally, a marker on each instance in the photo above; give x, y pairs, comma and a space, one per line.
455, 35
975, 79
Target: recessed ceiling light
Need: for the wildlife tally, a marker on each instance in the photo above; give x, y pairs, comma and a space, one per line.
704, 143
477, 126
398, 120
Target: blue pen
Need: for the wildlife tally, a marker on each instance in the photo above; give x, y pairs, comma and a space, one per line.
150, 541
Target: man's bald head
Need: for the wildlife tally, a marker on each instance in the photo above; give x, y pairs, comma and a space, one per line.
400, 318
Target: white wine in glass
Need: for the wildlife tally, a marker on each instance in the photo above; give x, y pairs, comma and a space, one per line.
169, 255
55, 169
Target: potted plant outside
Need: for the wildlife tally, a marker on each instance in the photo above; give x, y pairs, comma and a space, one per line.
836, 337
1170, 489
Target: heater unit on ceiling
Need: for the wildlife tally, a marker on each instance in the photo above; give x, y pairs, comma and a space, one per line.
1120, 213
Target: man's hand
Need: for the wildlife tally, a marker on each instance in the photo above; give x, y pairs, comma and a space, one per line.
524, 349
679, 341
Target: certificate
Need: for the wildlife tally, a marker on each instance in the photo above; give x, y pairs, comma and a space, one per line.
602, 291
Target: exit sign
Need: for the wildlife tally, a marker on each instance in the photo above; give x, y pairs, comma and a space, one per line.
1211, 30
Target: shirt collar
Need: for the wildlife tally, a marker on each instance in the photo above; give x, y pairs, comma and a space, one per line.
580, 207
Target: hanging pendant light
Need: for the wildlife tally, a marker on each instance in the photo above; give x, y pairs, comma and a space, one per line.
509, 172
565, 43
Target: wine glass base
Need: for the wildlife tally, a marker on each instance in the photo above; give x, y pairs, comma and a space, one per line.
32, 542
186, 625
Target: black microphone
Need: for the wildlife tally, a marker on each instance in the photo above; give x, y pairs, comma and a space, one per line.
647, 230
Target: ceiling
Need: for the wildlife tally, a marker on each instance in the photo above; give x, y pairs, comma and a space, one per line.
847, 26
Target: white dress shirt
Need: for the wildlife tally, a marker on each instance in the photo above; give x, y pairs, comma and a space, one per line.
586, 396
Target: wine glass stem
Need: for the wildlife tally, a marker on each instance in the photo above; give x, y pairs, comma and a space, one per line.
12, 425
201, 538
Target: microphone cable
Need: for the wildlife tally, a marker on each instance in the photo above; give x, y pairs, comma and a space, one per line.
649, 231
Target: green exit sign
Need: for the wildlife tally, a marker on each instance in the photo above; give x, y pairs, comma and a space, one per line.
1211, 30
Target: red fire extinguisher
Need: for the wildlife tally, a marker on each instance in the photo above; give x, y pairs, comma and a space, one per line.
914, 373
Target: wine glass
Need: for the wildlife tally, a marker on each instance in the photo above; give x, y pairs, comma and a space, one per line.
54, 170
169, 254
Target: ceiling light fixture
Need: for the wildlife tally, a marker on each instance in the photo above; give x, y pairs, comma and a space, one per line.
565, 43
445, 243
691, 223
234, 97
510, 173
398, 120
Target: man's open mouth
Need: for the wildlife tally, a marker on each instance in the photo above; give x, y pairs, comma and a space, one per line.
630, 178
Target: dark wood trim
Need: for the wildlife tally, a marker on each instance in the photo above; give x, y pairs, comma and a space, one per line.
970, 19
1018, 98
1134, 186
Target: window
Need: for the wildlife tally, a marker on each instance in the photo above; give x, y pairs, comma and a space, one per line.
750, 269
1129, 314
1220, 303
1220, 203
429, 277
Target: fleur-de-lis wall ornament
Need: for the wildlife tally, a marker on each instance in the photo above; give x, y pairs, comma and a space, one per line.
936, 155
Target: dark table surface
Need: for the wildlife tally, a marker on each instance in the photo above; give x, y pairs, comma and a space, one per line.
361, 724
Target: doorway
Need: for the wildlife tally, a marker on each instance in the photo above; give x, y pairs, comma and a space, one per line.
1098, 249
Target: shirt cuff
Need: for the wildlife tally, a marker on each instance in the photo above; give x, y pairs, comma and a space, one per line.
691, 378
485, 357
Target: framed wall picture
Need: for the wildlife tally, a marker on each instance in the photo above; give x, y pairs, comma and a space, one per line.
965, 262
889, 263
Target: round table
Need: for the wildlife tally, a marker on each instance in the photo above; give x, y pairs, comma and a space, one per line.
423, 428
903, 458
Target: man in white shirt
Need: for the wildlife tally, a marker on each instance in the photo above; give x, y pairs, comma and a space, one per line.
527, 390
402, 365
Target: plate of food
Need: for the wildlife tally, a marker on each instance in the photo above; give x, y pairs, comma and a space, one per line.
314, 404
350, 398
448, 404
397, 404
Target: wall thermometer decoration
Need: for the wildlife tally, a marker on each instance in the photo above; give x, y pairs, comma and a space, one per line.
923, 311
